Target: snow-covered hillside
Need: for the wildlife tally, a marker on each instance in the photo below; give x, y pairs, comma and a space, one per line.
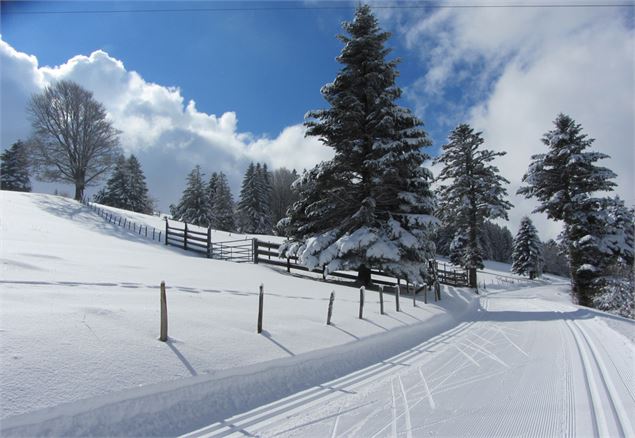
79, 321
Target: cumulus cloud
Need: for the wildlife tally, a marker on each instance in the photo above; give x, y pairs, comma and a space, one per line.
168, 135
517, 69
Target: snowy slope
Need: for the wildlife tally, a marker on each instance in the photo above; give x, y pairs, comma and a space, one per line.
79, 320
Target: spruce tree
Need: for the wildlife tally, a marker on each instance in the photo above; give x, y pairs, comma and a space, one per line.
370, 206
527, 252
254, 211
137, 188
222, 217
564, 180
474, 193
115, 193
193, 208
211, 193
126, 188
14, 168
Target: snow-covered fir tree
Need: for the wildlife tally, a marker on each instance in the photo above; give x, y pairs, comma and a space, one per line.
527, 251
222, 208
371, 205
14, 168
253, 211
126, 188
565, 180
211, 193
193, 208
474, 192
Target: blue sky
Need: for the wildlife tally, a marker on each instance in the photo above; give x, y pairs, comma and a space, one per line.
253, 74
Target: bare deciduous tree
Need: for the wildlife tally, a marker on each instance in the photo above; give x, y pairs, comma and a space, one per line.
73, 141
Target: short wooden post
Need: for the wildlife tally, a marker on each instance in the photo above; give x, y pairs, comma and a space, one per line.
414, 296
425, 294
288, 264
361, 302
261, 296
164, 315
397, 293
209, 241
437, 290
120, 221
124, 222
153, 231
166, 232
146, 231
381, 300
255, 250
185, 236
330, 312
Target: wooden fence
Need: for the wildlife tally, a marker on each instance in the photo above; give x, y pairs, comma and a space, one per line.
265, 252
201, 242
113, 218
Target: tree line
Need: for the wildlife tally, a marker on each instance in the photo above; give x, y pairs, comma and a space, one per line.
372, 206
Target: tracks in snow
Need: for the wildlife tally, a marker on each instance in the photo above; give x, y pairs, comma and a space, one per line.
611, 417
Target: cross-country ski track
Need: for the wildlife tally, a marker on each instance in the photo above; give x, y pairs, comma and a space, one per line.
526, 365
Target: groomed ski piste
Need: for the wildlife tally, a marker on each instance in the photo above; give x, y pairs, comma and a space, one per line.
79, 355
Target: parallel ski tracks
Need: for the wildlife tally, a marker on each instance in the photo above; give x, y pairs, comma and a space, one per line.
322, 393
611, 417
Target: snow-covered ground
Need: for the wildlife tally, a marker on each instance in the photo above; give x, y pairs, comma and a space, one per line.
79, 320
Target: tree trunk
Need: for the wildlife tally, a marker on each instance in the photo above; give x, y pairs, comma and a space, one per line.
79, 191
363, 276
471, 278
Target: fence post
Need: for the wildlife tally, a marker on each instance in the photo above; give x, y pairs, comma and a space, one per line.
119, 220
260, 305
397, 293
361, 302
166, 232
209, 240
124, 222
185, 236
330, 312
288, 264
164, 315
414, 296
146, 231
153, 231
381, 300
255, 249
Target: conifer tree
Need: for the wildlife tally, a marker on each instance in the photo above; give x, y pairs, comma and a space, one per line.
138, 199
564, 181
126, 188
193, 208
115, 193
222, 217
14, 169
527, 252
370, 206
254, 212
211, 193
473, 194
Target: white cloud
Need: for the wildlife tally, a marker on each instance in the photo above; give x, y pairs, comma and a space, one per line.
168, 134
526, 66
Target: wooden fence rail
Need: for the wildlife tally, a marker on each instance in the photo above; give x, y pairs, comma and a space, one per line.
150, 233
201, 242
267, 253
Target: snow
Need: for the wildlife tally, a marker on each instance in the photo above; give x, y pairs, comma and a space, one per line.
79, 318
79, 315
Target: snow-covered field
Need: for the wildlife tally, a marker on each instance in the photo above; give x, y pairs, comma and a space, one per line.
79, 355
